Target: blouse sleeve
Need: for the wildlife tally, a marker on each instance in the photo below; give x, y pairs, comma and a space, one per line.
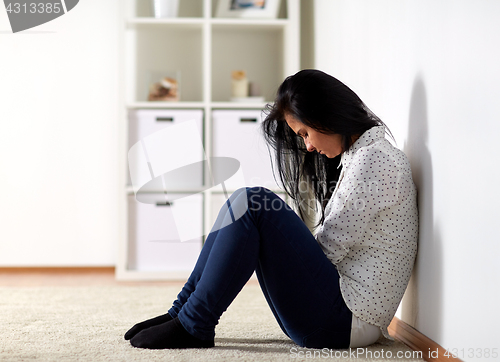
368, 186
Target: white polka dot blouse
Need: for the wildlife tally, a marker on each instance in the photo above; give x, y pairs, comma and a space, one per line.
371, 228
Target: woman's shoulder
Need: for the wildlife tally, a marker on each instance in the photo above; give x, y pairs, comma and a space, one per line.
380, 150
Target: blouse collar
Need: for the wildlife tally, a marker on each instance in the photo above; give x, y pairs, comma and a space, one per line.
373, 134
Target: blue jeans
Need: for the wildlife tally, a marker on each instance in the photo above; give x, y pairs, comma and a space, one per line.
257, 231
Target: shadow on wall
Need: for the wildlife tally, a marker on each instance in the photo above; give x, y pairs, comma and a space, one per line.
422, 305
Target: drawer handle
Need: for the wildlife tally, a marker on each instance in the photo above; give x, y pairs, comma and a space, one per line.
248, 119
166, 203
164, 119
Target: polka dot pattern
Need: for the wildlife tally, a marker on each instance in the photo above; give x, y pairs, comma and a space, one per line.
371, 228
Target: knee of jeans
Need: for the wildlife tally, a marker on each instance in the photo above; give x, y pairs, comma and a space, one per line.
259, 194
262, 199
261, 190
239, 191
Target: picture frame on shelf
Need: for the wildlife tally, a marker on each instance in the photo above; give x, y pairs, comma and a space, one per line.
251, 9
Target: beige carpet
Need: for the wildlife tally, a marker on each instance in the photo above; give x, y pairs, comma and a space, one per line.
88, 323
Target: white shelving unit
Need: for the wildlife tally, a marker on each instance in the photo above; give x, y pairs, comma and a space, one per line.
204, 49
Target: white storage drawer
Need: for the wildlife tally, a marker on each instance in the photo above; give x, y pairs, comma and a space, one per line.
143, 122
156, 231
237, 134
160, 147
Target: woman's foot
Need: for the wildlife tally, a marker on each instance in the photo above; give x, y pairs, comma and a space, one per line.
147, 324
168, 335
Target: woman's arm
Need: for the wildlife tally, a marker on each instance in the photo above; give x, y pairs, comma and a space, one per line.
369, 185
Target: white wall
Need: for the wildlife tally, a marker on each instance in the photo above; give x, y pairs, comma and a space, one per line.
430, 69
58, 139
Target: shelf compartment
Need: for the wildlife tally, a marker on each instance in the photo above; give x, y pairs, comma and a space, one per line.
162, 50
260, 55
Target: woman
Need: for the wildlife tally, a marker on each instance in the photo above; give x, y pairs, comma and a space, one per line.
338, 288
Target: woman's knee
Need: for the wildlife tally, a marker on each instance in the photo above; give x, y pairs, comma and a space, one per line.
260, 190
263, 199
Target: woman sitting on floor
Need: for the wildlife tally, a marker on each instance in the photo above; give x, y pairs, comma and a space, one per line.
338, 288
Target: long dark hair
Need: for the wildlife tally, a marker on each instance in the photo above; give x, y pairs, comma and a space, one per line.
327, 105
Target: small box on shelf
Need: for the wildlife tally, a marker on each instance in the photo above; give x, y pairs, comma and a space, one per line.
164, 86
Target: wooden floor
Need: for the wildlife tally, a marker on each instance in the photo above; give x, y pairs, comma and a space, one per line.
39, 277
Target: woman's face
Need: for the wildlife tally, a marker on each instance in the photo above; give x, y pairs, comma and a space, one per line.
329, 145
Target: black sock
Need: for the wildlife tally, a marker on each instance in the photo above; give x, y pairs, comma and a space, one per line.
146, 324
168, 335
